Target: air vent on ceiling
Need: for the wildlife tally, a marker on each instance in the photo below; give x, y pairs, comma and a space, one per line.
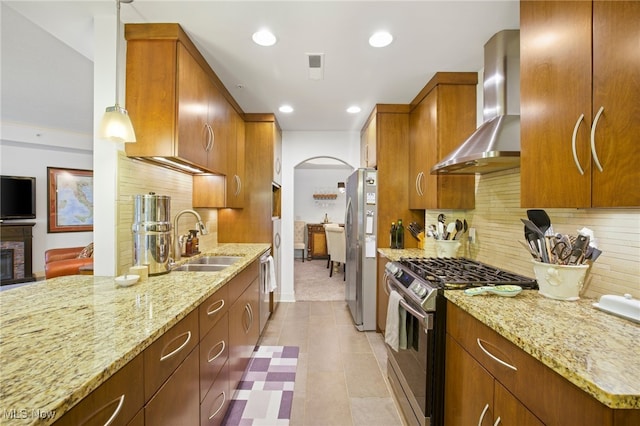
316, 65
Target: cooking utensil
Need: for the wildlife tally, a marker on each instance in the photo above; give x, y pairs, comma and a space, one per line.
539, 239
441, 219
459, 227
541, 219
450, 228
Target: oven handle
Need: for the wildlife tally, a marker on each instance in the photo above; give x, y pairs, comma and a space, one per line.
426, 320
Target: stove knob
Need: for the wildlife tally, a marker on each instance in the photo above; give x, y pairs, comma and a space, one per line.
393, 270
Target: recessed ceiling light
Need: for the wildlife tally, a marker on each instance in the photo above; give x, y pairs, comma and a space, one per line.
286, 109
353, 109
380, 39
264, 38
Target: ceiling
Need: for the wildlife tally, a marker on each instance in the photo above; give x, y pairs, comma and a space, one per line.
429, 36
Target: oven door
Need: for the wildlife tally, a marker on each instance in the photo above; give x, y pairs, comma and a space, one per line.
411, 370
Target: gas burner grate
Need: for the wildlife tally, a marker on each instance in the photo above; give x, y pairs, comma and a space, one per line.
460, 273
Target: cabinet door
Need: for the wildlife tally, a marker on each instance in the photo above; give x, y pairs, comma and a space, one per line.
177, 402
616, 89
235, 162
371, 144
216, 401
194, 136
219, 122
121, 395
510, 411
243, 332
165, 354
277, 155
382, 299
422, 140
468, 389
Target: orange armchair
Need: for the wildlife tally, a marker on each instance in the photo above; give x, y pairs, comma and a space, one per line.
64, 261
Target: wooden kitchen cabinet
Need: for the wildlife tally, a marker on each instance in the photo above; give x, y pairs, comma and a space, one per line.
579, 102
244, 331
253, 223
124, 387
368, 145
235, 193
177, 402
442, 116
388, 125
317, 241
473, 396
179, 108
519, 389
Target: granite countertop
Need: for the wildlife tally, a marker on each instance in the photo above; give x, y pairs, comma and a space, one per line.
61, 338
596, 351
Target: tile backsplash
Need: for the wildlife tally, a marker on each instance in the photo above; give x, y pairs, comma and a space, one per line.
496, 218
137, 177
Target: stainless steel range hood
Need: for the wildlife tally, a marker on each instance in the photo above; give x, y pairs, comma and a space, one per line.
495, 145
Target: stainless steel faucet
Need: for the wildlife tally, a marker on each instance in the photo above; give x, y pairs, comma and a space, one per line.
176, 240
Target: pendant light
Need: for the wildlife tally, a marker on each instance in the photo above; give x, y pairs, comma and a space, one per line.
116, 124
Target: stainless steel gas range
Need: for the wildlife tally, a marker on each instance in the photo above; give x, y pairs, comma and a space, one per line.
416, 372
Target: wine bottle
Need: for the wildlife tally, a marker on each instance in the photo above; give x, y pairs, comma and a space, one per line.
392, 236
399, 235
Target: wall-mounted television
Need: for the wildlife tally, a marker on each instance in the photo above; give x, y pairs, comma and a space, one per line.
17, 197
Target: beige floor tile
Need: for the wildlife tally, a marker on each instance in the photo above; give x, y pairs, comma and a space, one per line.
374, 412
327, 402
364, 378
326, 360
352, 340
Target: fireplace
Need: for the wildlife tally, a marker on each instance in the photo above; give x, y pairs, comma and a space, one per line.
15, 253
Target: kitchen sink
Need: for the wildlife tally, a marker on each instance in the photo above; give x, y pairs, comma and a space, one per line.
215, 260
208, 263
199, 267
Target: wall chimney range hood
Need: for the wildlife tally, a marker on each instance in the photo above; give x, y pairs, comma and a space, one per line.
495, 145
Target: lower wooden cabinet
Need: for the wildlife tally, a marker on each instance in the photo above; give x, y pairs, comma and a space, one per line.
483, 369
177, 401
382, 299
118, 399
214, 353
473, 396
244, 331
217, 399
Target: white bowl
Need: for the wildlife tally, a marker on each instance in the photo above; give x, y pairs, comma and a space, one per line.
127, 280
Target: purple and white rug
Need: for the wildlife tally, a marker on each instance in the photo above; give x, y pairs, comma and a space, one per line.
265, 394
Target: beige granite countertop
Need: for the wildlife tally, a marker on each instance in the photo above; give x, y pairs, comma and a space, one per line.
596, 351
61, 338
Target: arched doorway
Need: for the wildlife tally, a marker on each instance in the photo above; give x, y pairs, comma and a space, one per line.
318, 198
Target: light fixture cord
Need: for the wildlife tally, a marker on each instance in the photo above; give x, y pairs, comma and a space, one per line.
118, 54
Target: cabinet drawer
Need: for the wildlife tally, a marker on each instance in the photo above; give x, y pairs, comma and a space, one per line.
552, 398
214, 308
216, 401
241, 281
214, 352
176, 403
165, 354
121, 394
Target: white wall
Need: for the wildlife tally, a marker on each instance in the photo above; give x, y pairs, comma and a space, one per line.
298, 147
322, 180
26, 150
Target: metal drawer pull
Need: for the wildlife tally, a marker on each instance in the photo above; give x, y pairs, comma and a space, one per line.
211, 312
497, 421
182, 346
593, 138
573, 144
224, 398
248, 327
116, 411
486, 407
494, 357
221, 342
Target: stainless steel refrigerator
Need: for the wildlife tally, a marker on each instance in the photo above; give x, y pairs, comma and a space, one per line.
360, 231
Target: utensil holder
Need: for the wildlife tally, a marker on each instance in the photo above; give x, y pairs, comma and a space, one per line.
447, 248
560, 282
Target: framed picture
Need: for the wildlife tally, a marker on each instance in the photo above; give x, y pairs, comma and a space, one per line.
70, 197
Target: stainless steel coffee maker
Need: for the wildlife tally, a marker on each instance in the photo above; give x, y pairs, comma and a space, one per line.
152, 232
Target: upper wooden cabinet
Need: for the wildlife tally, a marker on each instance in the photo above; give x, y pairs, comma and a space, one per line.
179, 108
253, 223
442, 116
388, 126
368, 145
579, 103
